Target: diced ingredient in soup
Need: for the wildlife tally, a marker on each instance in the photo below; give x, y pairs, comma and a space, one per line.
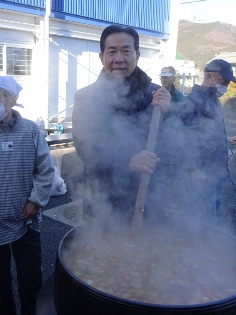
161, 266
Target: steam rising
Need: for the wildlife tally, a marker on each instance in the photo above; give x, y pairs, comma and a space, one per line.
110, 130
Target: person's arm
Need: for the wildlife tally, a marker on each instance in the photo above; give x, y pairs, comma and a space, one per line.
191, 115
43, 171
79, 122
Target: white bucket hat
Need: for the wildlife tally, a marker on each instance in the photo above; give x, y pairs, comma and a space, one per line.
10, 84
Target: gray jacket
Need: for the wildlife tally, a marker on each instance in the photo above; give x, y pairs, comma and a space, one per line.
26, 172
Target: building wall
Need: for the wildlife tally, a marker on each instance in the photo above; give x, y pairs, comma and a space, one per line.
149, 16
74, 63
169, 48
22, 31
65, 55
146, 15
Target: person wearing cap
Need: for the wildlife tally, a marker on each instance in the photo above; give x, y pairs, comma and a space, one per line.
26, 172
168, 76
219, 73
203, 117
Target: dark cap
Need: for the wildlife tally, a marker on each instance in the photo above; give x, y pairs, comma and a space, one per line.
167, 71
222, 67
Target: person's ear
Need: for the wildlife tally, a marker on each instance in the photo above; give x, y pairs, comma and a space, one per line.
101, 57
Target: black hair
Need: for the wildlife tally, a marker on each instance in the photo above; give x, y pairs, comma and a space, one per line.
119, 29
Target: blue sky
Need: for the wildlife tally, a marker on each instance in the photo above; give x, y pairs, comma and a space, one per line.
208, 11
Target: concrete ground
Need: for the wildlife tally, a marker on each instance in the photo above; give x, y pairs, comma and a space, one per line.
54, 229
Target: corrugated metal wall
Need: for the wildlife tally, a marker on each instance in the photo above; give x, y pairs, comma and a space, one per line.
34, 3
145, 14
150, 15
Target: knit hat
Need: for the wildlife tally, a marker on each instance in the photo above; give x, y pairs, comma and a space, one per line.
10, 84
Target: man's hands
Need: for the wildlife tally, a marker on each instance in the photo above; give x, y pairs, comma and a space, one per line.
143, 161
162, 98
30, 210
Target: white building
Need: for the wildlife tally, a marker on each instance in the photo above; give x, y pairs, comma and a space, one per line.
51, 46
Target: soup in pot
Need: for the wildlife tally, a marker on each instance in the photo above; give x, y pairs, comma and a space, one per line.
161, 265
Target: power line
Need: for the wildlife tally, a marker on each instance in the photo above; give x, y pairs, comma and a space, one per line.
192, 1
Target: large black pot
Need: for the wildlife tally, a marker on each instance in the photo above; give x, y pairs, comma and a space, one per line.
74, 297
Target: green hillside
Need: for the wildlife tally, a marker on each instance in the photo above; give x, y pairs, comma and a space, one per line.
202, 41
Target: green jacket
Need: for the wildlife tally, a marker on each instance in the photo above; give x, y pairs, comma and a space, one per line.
176, 95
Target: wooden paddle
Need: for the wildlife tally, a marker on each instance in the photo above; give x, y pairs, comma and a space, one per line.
144, 179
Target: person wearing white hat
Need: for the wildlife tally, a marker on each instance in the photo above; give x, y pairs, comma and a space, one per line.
9, 90
26, 172
168, 77
13, 88
10, 84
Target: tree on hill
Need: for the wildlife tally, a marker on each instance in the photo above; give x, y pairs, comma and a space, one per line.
201, 42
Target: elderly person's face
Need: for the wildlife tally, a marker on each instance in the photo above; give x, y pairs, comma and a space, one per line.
213, 78
167, 82
119, 58
7, 99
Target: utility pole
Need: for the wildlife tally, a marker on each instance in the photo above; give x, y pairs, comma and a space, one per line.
183, 84
46, 59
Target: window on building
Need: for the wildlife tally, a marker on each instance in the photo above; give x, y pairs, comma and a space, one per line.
17, 60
